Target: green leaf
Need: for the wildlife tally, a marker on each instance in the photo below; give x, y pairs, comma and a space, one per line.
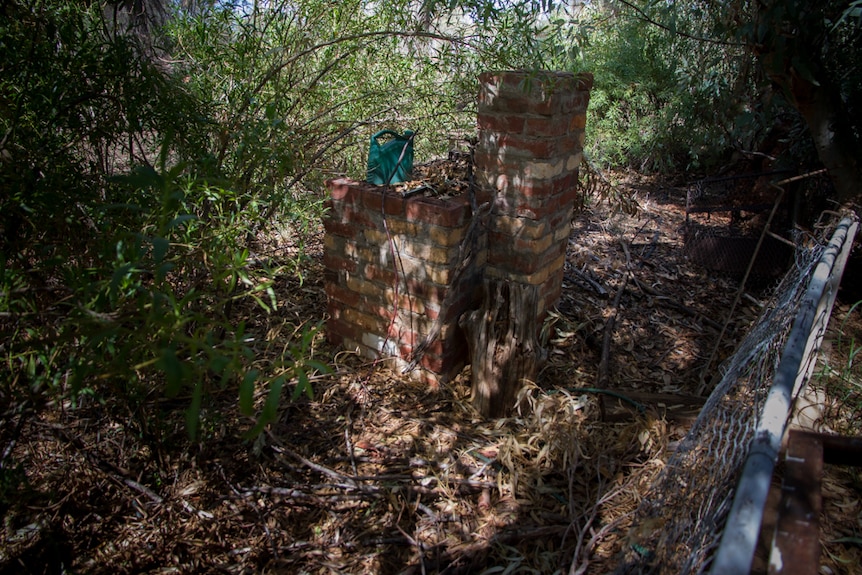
246, 392
179, 220
319, 366
193, 413
173, 368
270, 408
141, 178
163, 270
302, 385
853, 540
160, 248
117, 278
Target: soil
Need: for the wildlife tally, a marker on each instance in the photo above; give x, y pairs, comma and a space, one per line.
379, 474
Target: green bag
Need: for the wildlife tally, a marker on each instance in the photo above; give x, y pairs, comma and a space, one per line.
383, 158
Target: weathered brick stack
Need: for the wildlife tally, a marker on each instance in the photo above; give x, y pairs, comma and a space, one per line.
364, 281
531, 134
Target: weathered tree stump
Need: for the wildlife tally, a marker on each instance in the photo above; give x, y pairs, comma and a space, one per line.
504, 344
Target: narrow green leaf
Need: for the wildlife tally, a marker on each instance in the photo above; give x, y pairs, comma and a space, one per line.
193, 413
319, 366
179, 220
270, 408
160, 249
173, 368
246, 392
302, 384
163, 270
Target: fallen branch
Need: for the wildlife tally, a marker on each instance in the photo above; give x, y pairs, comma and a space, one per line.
676, 304
603, 375
577, 276
119, 474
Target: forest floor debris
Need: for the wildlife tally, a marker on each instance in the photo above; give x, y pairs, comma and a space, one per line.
377, 474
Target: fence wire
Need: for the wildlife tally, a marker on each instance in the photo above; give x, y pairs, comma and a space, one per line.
679, 523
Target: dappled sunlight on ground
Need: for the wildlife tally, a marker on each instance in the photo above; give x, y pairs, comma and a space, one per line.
378, 474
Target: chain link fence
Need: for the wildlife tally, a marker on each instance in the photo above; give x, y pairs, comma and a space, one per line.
679, 523
733, 220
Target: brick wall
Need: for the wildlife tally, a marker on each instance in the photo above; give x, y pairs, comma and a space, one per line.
530, 138
381, 303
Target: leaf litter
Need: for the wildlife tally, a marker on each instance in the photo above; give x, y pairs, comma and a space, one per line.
377, 473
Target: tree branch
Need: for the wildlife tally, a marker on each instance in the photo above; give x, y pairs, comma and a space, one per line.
646, 18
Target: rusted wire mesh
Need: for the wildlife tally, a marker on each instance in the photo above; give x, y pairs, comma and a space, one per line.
725, 218
679, 522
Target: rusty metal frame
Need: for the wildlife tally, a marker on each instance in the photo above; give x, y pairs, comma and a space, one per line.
796, 542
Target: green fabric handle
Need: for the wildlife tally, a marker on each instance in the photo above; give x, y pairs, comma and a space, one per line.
383, 159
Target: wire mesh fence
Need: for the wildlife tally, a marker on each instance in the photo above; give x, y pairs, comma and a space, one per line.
679, 523
726, 217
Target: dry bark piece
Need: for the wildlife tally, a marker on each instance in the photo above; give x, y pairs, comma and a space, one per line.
504, 344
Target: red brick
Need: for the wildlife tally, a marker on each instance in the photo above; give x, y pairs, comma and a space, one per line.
430, 293
537, 191
339, 295
584, 81
406, 302
520, 245
538, 148
568, 144
341, 229
432, 363
338, 330
519, 263
436, 212
578, 122
342, 189
376, 273
566, 182
582, 100
336, 263
330, 276
379, 198
487, 161
375, 321
500, 123
562, 218
547, 127
508, 104
334, 309
359, 215
406, 336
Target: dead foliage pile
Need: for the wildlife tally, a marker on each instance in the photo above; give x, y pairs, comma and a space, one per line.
378, 474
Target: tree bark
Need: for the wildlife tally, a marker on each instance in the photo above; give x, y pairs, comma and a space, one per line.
825, 114
504, 344
799, 64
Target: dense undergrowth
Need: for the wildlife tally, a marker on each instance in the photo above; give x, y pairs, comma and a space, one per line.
151, 151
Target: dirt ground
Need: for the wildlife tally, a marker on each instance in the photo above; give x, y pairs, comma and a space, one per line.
377, 474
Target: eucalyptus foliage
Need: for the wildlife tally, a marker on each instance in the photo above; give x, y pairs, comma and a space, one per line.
143, 151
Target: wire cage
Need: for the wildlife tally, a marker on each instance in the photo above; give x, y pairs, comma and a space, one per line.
733, 220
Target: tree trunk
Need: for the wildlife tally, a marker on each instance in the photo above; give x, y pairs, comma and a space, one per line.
798, 64
825, 114
504, 345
